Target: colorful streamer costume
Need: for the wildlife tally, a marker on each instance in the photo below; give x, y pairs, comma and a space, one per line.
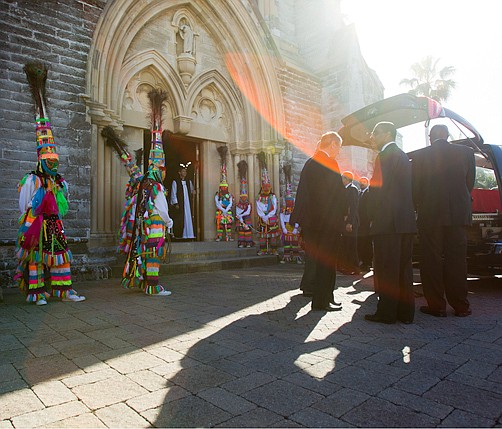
146, 216
42, 246
224, 202
290, 233
243, 210
266, 207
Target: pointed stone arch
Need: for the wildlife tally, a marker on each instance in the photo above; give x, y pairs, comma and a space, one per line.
113, 65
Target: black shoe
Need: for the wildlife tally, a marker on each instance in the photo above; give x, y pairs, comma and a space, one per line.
336, 304
436, 313
463, 313
378, 319
406, 321
329, 307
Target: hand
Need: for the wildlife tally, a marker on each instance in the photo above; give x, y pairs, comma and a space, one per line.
177, 206
284, 230
348, 227
295, 231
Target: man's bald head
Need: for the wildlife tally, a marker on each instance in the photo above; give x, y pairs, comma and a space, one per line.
439, 132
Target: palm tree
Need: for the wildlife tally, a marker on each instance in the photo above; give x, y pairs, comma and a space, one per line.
429, 81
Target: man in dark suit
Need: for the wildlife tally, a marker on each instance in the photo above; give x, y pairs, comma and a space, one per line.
392, 227
364, 242
348, 259
319, 210
443, 177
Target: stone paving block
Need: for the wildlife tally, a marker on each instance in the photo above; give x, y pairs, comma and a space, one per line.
113, 343
282, 398
132, 362
477, 382
321, 369
314, 418
341, 401
89, 363
277, 364
376, 412
157, 398
248, 356
249, 382
15, 355
467, 398
12, 386
121, 416
190, 411
84, 421
428, 365
490, 353
417, 383
362, 379
488, 335
149, 380
42, 350
416, 403
19, 402
463, 419
206, 351
89, 378
257, 418
8, 372
230, 367
50, 415
5, 424
314, 383
477, 369
272, 344
226, 400
169, 370
54, 368
53, 393
166, 354
496, 376
200, 377
10, 342
108, 392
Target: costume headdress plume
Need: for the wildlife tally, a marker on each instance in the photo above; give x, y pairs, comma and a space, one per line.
222, 150
46, 147
262, 159
156, 161
287, 176
120, 147
242, 167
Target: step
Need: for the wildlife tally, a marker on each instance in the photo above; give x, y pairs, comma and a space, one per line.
214, 264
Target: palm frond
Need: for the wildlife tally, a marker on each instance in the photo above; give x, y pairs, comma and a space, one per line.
242, 167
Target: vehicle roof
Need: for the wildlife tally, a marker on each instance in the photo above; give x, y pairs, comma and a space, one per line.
402, 110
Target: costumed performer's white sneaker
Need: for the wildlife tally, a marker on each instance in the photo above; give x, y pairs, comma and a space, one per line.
73, 298
41, 301
163, 293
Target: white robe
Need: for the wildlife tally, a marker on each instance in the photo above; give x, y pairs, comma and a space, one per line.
187, 222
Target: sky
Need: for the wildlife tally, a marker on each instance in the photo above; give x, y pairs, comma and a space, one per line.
465, 34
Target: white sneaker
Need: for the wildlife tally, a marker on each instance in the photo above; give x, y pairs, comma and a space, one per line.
41, 301
73, 298
163, 293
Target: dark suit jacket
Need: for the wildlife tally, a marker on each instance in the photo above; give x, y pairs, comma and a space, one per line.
352, 195
364, 220
320, 198
443, 177
391, 203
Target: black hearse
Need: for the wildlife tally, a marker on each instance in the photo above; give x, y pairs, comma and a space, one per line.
414, 116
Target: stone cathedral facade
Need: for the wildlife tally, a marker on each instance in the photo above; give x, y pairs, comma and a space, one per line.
254, 75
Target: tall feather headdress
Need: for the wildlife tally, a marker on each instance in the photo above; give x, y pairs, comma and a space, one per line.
287, 177
156, 160
242, 168
222, 150
262, 159
36, 74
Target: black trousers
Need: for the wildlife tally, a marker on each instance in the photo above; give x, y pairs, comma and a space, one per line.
308, 278
394, 276
365, 250
443, 266
322, 249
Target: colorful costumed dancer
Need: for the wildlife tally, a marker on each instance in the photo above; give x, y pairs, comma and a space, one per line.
243, 210
290, 233
224, 202
151, 214
266, 207
132, 187
42, 247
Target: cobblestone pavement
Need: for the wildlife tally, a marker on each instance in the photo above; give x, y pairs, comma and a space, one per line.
241, 349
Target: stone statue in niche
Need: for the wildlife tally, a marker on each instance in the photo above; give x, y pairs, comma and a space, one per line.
187, 35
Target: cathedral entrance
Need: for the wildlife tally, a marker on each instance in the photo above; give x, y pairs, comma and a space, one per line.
181, 150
